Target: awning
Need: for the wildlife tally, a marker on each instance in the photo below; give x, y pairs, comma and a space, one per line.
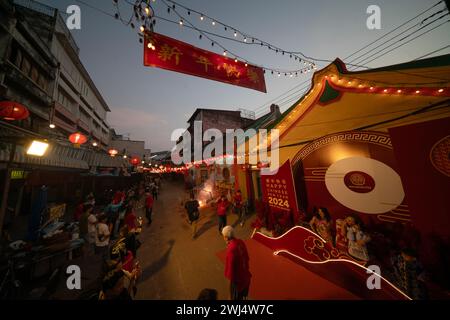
56, 156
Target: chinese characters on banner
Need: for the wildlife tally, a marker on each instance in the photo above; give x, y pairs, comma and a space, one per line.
279, 192
174, 55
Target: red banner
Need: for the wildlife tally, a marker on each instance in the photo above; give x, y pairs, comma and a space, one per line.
170, 54
278, 190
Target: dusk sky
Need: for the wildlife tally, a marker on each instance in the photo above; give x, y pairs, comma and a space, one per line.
149, 103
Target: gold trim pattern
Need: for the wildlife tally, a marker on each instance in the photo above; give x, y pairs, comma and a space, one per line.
377, 138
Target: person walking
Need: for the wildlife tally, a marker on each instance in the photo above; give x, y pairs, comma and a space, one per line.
192, 207
237, 269
155, 191
148, 206
222, 207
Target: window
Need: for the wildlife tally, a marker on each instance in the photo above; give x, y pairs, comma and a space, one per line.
65, 100
28, 67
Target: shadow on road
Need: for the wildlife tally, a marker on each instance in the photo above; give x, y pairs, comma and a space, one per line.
206, 226
159, 264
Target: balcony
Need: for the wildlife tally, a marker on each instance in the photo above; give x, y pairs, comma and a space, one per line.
81, 124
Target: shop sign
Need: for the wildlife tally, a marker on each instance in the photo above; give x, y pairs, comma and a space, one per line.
18, 174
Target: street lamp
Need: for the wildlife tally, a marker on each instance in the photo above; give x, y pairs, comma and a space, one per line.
37, 148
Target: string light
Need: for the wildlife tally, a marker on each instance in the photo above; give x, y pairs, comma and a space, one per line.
417, 91
245, 39
441, 90
148, 18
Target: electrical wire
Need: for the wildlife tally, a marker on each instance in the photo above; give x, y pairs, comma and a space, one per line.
404, 38
395, 29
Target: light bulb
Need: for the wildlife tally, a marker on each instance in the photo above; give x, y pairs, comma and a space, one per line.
225, 53
235, 34
213, 23
441, 90
201, 17
52, 126
142, 28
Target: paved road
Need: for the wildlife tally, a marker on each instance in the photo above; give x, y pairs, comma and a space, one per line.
174, 266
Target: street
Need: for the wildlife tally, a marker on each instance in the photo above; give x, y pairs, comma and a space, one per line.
173, 265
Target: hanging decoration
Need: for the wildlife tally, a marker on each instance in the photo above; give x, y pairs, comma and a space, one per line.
113, 152
135, 161
12, 111
170, 54
78, 139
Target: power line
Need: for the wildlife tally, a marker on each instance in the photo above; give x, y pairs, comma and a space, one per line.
430, 53
422, 110
401, 45
386, 34
393, 38
404, 38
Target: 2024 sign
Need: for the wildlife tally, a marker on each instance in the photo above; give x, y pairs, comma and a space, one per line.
277, 202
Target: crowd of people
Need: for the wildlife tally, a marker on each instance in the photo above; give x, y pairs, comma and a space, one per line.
110, 230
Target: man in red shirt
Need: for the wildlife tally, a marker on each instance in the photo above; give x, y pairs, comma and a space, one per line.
222, 207
148, 206
236, 265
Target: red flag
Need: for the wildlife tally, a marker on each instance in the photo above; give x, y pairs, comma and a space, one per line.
170, 54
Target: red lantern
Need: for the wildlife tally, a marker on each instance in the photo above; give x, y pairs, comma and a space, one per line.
135, 161
113, 152
10, 110
78, 138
